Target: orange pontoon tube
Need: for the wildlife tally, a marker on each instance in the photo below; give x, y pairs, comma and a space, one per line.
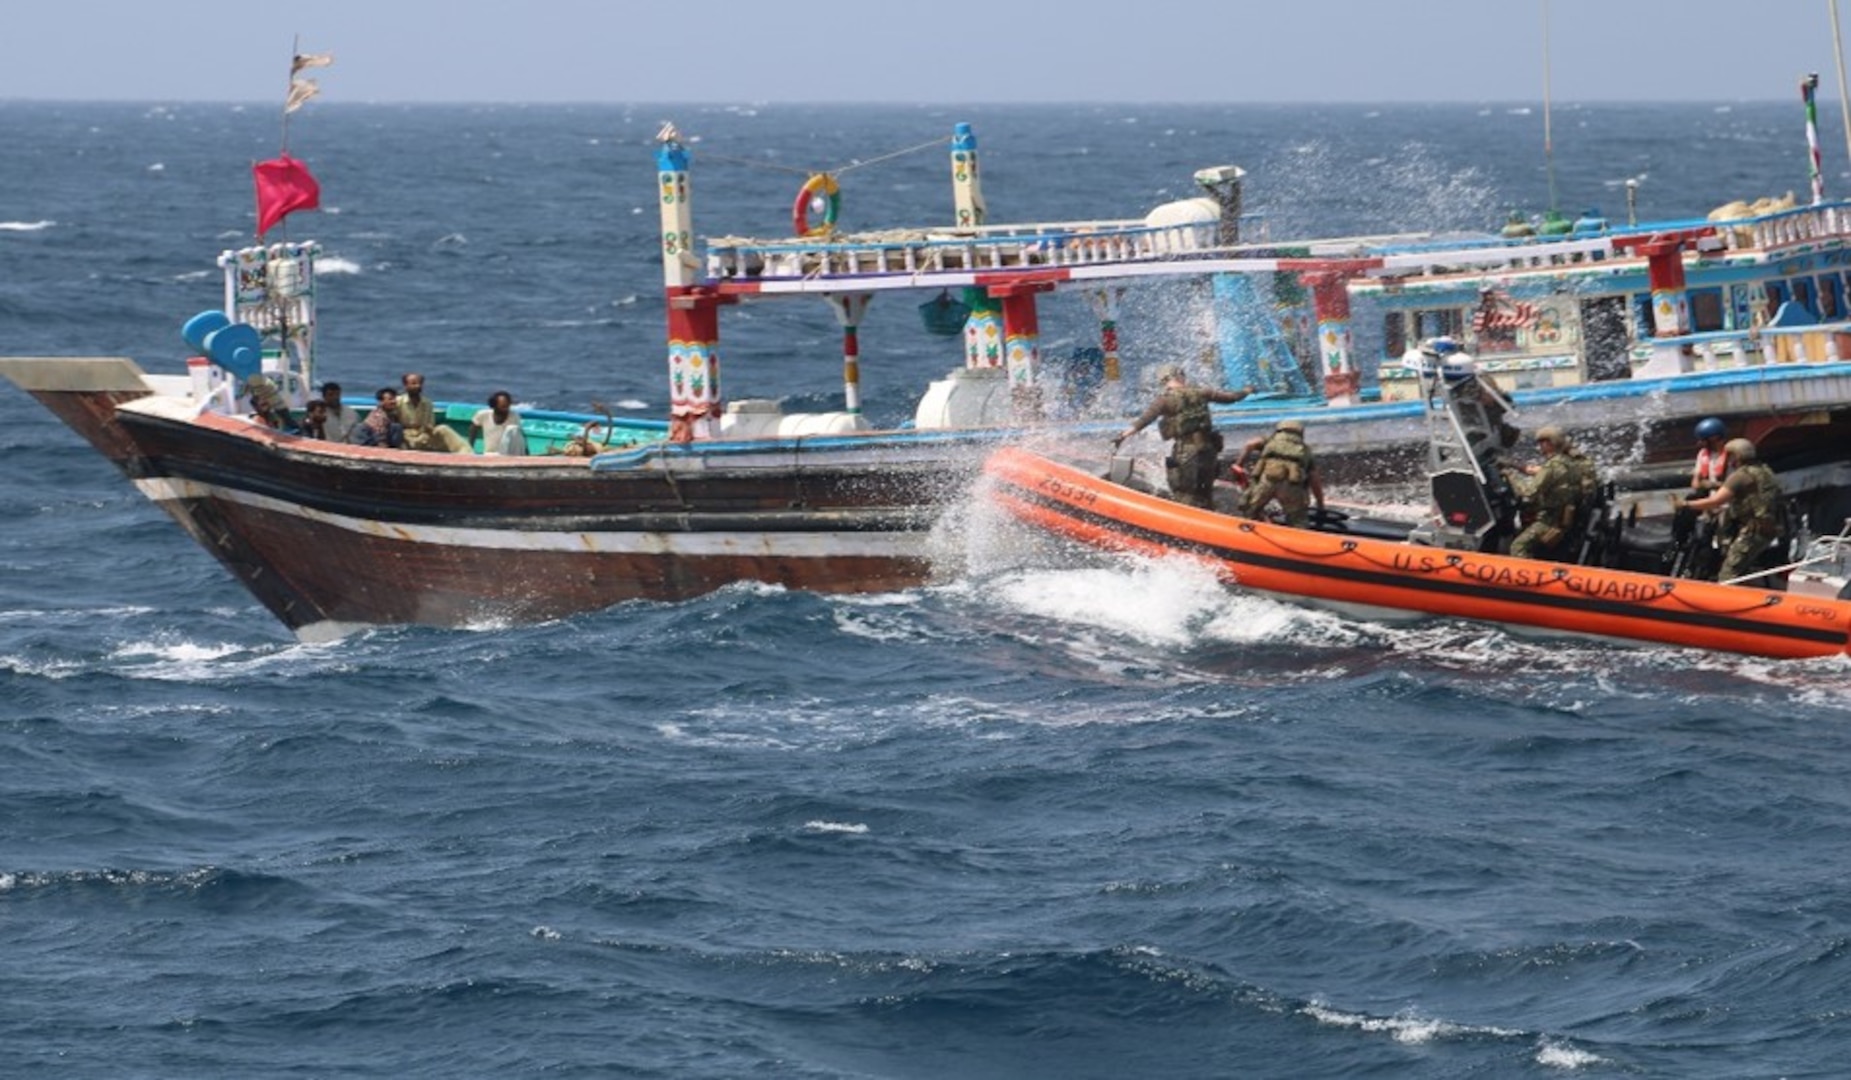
1357, 570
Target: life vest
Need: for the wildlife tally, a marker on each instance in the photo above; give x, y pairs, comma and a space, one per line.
1711, 468
1189, 417
1586, 476
1555, 491
1756, 508
1285, 459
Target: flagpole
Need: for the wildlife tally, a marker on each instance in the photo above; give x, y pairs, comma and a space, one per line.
1548, 142
1838, 52
289, 85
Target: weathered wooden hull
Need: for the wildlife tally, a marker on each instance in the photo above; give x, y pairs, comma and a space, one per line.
330, 537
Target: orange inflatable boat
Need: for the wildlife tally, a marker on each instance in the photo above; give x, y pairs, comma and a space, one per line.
1359, 573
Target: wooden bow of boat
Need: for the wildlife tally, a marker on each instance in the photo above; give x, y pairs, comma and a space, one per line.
1358, 574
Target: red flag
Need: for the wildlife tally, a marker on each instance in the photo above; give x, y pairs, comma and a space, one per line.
283, 185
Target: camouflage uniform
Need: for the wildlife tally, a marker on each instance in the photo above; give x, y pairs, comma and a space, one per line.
1195, 446
1587, 477
1550, 496
1283, 473
1754, 495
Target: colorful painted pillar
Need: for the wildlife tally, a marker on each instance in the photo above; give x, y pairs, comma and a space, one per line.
1022, 346
693, 311
983, 330
850, 309
1664, 269
1105, 305
1330, 305
1809, 90
966, 186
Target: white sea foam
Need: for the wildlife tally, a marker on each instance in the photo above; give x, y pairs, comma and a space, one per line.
1161, 602
1557, 1056
43, 669
335, 264
834, 827
1403, 1028
25, 226
180, 652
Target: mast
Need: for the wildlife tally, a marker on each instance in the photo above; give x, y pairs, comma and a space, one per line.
1809, 91
1548, 142
1838, 53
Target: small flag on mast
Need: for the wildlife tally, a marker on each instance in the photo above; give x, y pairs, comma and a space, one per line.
300, 90
304, 61
284, 185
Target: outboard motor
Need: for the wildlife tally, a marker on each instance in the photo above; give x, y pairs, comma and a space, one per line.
1467, 433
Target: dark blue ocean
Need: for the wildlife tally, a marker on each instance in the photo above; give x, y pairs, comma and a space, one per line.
1037, 820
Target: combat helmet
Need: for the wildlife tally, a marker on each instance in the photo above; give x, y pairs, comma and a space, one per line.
1740, 449
1554, 434
1168, 372
1710, 428
1296, 427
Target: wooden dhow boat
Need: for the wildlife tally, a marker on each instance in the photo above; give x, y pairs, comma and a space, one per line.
333, 536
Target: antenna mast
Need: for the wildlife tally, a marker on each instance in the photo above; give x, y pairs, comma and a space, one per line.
1838, 52
1548, 141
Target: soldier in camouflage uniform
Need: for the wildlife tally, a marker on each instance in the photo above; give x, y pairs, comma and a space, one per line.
1752, 494
1550, 494
1195, 445
1286, 472
1587, 475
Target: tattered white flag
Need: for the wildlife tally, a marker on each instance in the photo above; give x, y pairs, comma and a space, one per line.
300, 90
304, 61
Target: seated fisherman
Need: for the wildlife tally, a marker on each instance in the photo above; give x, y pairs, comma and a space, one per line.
381, 426
422, 431
315, 421
499, 427
341, 418
267, 405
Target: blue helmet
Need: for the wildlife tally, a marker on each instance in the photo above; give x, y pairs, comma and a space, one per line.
1710, 428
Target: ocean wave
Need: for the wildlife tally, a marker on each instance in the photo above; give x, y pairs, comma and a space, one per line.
835, 827
25, 226
215, 888
1408, 1027
336, 265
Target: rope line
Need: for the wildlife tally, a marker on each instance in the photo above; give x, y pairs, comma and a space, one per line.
1557, 576
772, 166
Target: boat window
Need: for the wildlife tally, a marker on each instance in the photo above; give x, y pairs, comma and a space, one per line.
1776, 296
1831, 297
1802, 295
1439, 322
1706, 312
1606, 349
1394, 336
1643, 327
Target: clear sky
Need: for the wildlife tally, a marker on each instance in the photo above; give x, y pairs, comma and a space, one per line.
886, 51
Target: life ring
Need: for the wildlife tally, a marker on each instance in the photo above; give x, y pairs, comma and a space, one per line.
821, 193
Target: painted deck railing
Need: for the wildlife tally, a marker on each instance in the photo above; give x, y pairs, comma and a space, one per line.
910, 252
